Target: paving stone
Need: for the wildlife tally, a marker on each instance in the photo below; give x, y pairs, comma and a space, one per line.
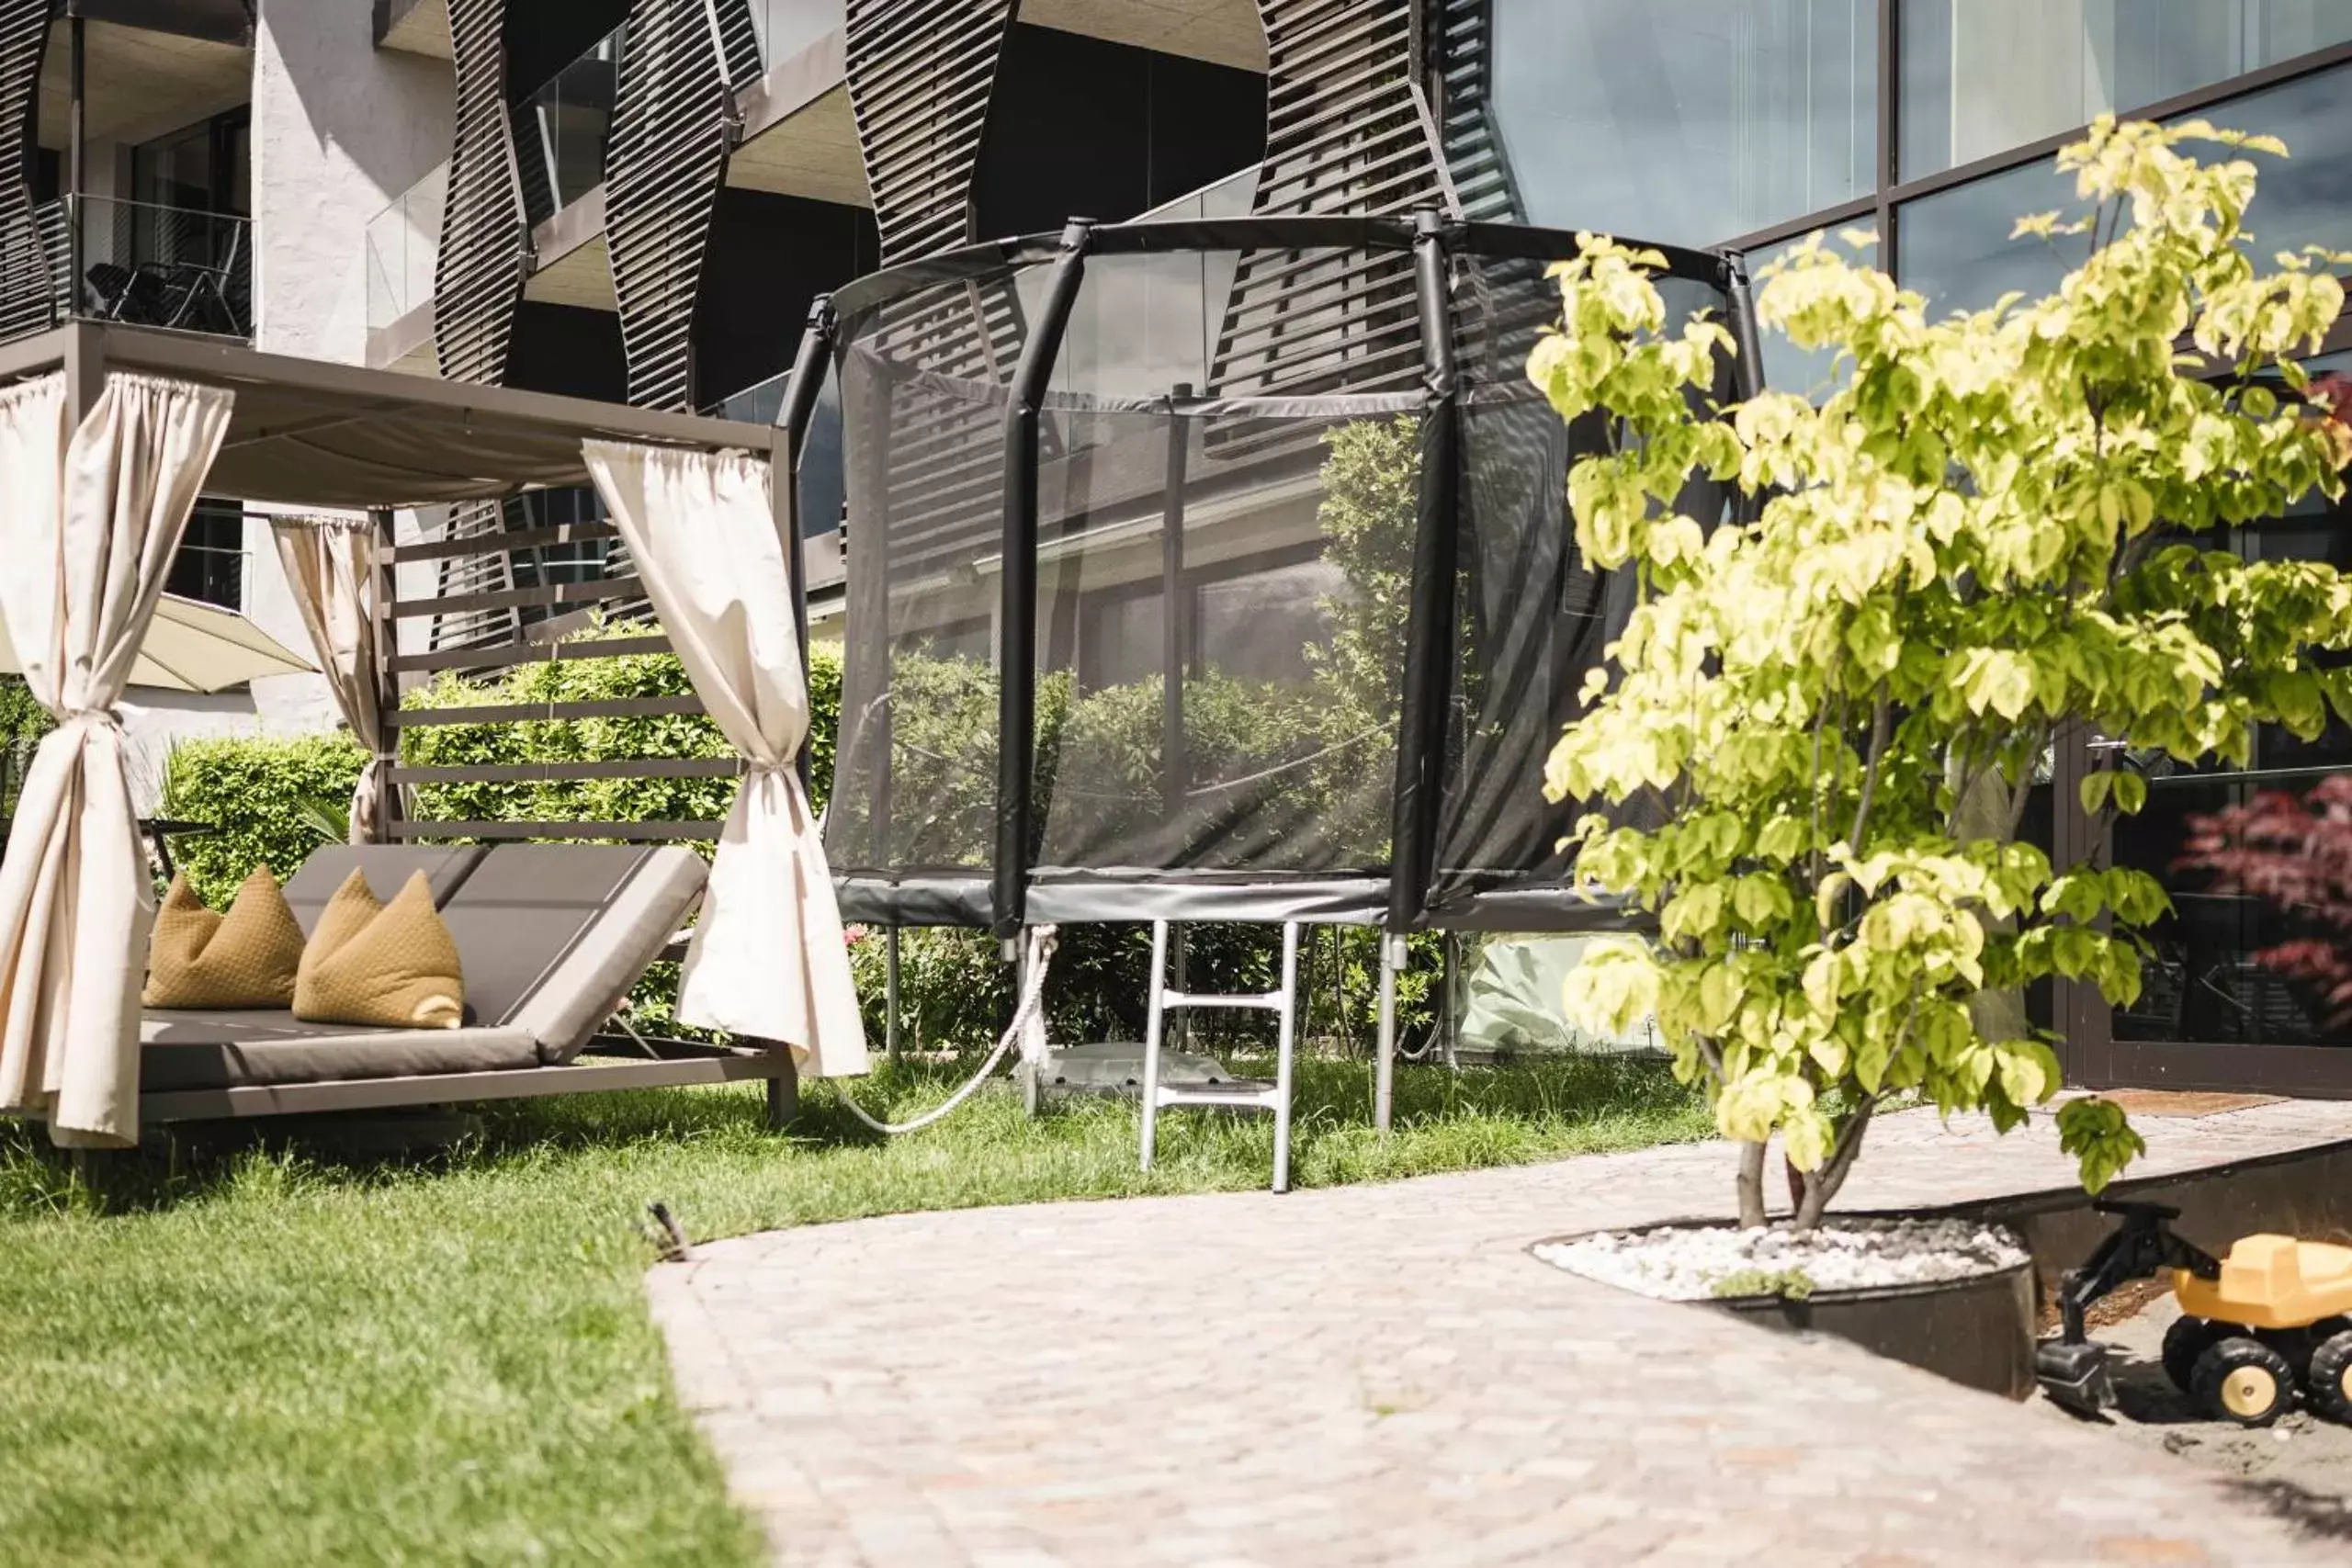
1381, 1374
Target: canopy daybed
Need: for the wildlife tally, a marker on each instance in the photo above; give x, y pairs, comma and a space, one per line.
107, 433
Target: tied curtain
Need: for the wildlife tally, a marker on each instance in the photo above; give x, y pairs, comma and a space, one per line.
90, 517
331, 564
767, 959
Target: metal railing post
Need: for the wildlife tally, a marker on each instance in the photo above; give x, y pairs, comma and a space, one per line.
76, 153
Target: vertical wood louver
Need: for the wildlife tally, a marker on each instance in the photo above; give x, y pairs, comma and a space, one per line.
485, 234
485, 256
920, 75
1462, 53
1348, 130
663, 171
28, 281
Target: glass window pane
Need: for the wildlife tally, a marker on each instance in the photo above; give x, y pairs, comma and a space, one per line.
1815, 373
2243, 958
784, 27
1954, 247
1978, 77
1685, 121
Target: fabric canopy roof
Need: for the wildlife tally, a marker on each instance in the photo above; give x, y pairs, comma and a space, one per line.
308, 432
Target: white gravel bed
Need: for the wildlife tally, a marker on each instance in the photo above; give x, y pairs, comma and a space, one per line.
1683, 1263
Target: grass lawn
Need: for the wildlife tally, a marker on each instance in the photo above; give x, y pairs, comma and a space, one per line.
275, 1357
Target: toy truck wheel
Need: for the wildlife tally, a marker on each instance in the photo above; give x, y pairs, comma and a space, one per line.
2187, 1339
2243, 1380
2330, 1384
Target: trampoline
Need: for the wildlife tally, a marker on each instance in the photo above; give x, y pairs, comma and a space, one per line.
1212, 571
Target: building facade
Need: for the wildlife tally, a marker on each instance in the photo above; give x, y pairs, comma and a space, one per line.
641, 200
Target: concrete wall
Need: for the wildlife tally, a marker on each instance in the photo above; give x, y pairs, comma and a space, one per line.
341, 129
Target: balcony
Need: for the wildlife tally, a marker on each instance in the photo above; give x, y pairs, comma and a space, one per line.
404, 248
561, 130
148, 265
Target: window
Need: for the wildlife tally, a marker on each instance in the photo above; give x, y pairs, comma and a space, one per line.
211, 564
205, 167
1258, 625
1954, 247
1978, 77
1815, 373
2216, 975
784, 27
1686, 121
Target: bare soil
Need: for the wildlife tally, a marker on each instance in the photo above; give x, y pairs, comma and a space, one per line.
2300, 1468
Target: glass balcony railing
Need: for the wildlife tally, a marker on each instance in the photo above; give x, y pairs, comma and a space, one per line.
561, 129
786, 27
404, 247
149, 265
563, 132
212, 574
821, 481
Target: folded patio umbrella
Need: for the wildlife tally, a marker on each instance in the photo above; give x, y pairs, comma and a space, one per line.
193, 647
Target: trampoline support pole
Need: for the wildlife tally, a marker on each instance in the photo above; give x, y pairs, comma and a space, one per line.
1383, 1071
890, 993
1017, 614
1449, 1016
808, 363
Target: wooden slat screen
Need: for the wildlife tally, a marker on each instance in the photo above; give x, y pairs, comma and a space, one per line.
27, 271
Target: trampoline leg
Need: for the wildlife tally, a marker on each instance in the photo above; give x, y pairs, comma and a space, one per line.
1032, 1072
1155, 1019
1449, 1013
890, 993
1286, 1050
1383, 1071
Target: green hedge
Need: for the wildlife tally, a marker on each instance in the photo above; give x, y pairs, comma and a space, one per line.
22, 724
254, 792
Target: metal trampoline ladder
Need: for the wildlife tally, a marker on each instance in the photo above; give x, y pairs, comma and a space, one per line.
1239, 1094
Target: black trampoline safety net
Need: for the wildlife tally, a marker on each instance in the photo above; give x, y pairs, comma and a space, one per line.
1232, 449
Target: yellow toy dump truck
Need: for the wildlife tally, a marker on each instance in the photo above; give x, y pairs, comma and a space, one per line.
2272, 1317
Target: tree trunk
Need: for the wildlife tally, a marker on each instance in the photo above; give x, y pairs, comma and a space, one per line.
1823, 1184
1986, 812
1751, 1185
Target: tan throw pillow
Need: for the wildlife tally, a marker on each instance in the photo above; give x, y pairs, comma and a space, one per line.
393, 965
245, 958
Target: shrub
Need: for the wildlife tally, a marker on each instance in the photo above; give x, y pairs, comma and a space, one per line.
666, 736
23, 722
254, 791
2295, 856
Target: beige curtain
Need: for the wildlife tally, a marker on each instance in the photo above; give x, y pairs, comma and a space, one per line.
767, 958
331, 564
89, 519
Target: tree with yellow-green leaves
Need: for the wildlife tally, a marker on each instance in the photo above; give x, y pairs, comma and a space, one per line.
2000, 525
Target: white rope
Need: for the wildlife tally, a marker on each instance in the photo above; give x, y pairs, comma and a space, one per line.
1039, 953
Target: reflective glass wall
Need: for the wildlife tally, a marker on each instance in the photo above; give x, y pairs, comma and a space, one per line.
1686, 121
1954, 245
1931, 122
1929, 126
1979, 77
